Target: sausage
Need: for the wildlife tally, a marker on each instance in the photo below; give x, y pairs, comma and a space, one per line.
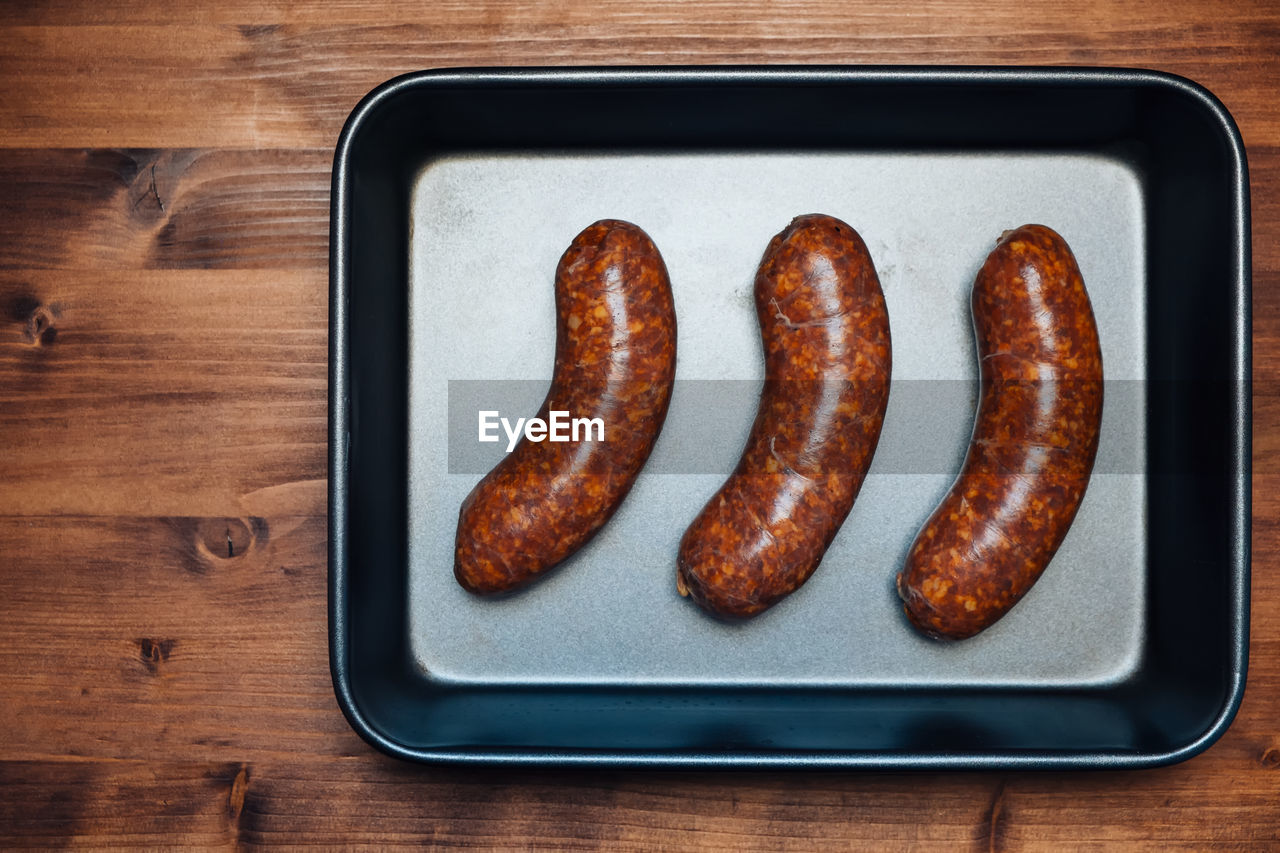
615, 360
825, 330
1033, 445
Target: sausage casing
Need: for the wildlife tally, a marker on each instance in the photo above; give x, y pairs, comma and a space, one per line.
615, 360
825, 331
1033, 445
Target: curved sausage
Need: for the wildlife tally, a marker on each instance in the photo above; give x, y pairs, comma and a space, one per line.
1033, 445
827, 363
615, 360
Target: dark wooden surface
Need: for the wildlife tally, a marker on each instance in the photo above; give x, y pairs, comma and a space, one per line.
163, 236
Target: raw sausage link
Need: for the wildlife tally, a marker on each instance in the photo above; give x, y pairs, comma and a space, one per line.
1033, 445
827, 364
615, 360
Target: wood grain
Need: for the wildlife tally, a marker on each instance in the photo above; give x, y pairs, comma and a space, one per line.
161, 392
95, 665
271, 803
244, 84
163, 345
165, 209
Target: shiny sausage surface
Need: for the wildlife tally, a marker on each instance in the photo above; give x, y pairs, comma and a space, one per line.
615, 360
1033, 445
825, 331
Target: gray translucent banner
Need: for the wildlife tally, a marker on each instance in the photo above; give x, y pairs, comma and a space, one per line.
926, 430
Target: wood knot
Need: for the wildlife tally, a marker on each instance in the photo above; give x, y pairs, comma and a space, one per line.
228, 538
37, 320
992, 829
154, 652
1270, 759
147, 201
40, 328
235, 798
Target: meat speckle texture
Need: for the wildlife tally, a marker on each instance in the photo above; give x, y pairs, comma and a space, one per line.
1033, 446
825, 331
615, 360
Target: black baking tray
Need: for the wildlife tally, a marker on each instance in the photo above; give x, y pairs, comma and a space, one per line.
1186, 156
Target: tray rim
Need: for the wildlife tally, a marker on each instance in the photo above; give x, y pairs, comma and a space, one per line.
652, 75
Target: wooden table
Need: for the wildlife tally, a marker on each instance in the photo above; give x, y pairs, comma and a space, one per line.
164, 191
